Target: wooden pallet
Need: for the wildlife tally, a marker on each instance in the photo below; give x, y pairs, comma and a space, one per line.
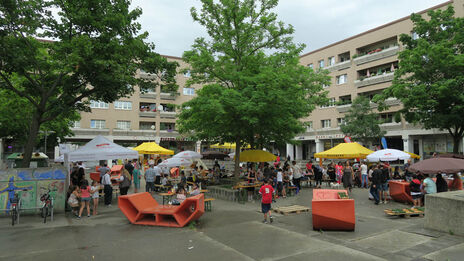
290, 209
405, 215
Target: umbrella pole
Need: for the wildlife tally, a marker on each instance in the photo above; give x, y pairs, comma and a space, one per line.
237, 160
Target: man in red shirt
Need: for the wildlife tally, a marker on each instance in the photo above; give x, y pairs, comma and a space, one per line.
266, 191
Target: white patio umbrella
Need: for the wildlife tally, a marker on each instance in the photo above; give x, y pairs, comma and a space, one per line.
175, 162
188, 154
388, 155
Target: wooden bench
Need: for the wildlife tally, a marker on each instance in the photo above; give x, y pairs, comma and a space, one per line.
291, 191
208, 205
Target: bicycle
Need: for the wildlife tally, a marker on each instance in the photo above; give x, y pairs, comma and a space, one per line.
15, 207
47, 205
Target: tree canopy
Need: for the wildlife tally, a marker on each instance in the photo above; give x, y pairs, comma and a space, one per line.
93, 52
361, 123
254, 90
430, 78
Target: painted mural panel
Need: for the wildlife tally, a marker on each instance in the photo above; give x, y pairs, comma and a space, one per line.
30, 184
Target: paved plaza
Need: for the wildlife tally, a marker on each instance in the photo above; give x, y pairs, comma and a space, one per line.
231, 231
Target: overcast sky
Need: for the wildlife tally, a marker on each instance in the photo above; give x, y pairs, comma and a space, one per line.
317, 23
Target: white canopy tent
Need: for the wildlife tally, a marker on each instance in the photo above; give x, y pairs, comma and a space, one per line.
100, 148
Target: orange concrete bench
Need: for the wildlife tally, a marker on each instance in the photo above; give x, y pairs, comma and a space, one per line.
330, 212
142, 209
399, 191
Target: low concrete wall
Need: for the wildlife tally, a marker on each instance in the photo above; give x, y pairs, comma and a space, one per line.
445, 212
37, 182
223, 193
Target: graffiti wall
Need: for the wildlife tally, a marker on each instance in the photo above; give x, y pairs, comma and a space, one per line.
30, 184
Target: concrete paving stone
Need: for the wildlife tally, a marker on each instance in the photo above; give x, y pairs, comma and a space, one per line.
396, 257
333, 254
453, 253
420, 230
264, 241
393, 241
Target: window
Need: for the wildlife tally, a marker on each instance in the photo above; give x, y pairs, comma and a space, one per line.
187, 73
98, 105
331, 60
309, 125
321, 64
386, 118
167, 126
147, 125
341, 79
330, 104
341, 121
123, 105
97, 124
76, 124
414, 36
326, 124
311, 66
189, 91
123, 125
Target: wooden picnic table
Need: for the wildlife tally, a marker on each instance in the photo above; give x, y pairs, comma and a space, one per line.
241, 187
166, 195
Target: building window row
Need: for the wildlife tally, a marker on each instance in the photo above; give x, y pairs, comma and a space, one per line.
123, 105
97, 124
98, 105
330, 104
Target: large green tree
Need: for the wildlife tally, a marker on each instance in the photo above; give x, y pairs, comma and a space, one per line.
93, 53
361, 123
254, 90
430, 78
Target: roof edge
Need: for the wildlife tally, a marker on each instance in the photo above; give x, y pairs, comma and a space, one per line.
378, 28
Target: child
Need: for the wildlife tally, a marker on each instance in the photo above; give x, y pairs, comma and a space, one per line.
180, 196
279, 182
196, 190
85, 198
266, 191
73, 199
94, 189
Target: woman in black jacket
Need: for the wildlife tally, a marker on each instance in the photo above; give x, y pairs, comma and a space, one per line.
442, 185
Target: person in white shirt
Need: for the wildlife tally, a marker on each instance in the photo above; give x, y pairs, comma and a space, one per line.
296, 175
108, 189
364, 179
157, 171
280, 183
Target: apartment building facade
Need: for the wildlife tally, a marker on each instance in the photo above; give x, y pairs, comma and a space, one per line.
364, 64
147, 115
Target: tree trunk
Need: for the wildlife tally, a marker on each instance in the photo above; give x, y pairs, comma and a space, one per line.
456, 142
31, 140
237, 159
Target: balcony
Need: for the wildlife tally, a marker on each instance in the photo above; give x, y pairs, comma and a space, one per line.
147, 114
168, 114
339, 66
167, 96
343, 108
146, 75
90, 132
148, 95
169, 133
145, 133
388, 77
377, 55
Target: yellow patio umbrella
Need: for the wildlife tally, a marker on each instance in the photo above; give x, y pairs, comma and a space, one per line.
227, 145
351, 150
256, 156
152, 148
414, 156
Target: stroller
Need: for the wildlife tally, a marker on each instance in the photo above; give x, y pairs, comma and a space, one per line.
357, 179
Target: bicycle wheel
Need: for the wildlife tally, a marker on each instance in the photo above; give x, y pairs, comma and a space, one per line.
45, 213
13, 216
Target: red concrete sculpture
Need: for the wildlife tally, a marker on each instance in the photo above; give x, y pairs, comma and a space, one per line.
330, 212
142, 209
399, 191
116, 172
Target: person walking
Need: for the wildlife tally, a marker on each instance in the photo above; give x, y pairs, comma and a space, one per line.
107, 188
129, 167
266, 192
375, 184
331, 172
364, 181
136, 179
296, 176
347, 177
384, 186
150, 179
125, 182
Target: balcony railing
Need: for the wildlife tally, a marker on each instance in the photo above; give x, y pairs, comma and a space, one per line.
376, 56
388, 77
91, 132
147, 114
343, 108
149, 95
168, 114
146, 133
146, 75
167, 96
339, 66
